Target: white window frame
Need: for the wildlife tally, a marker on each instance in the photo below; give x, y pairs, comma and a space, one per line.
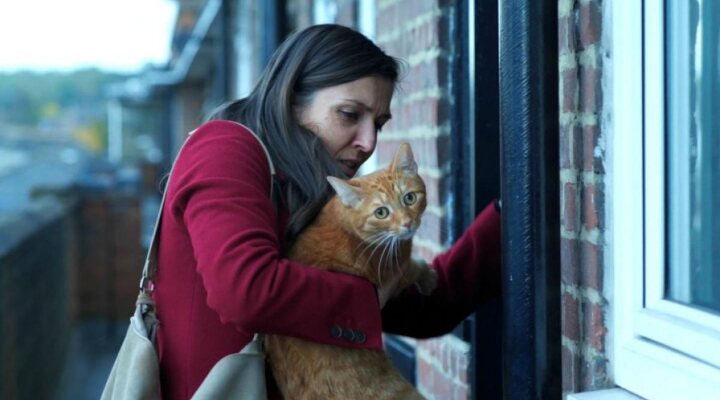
660, 349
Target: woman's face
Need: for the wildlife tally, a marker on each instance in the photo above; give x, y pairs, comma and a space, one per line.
348, 117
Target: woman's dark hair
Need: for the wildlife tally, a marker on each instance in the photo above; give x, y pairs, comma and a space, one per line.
318, 57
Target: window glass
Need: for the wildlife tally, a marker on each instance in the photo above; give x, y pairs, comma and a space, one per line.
693, 152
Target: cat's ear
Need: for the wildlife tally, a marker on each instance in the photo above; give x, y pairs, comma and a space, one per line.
404, 161
349, 194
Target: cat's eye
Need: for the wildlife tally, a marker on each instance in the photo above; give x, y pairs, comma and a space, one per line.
382, 212
409, 198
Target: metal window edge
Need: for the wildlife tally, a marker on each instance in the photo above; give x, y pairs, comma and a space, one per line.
607, 394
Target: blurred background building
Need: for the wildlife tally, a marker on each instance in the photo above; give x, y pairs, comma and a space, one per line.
607, 163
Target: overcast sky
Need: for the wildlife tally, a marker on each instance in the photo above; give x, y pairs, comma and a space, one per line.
115, 35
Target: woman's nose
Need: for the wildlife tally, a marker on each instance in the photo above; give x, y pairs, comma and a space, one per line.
366, 138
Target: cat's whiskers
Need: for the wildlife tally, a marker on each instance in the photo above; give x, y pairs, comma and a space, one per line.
390, 254
396, 250
385, 246
369, 243
395, 268
374, 243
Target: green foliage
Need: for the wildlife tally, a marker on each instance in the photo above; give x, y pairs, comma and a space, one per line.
26, 97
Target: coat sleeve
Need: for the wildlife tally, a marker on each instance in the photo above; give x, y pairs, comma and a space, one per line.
468, 273
220, 190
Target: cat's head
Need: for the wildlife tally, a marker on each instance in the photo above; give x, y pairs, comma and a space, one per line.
390, 201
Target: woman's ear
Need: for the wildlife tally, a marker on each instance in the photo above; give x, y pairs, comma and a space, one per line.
349, 195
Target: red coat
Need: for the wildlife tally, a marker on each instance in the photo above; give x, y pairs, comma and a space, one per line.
221, 276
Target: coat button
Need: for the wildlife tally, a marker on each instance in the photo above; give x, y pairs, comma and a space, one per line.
336, 332
348, 335
360, 337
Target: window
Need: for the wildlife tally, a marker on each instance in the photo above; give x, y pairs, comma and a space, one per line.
693, 139
665, 203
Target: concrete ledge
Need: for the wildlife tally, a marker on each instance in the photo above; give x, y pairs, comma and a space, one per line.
41, 212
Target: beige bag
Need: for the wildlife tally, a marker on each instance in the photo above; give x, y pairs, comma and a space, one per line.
136, 372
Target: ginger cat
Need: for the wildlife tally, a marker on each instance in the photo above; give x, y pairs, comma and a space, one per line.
365, 230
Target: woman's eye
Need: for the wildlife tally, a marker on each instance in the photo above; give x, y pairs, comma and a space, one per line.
382, 212
349, 115
409, 198
379, 124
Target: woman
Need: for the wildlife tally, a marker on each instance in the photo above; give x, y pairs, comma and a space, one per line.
222, 277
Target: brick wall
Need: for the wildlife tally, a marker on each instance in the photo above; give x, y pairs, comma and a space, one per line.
582, 177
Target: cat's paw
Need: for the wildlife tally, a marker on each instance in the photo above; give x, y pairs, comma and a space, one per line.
427, 277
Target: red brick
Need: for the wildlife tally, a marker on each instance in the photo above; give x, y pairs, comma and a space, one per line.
570, 371
569, 219
594, 327
591, 266
570, 317
433, 228
569, 261
430, 152
571, 149
590, 23
589, 208
425, 111
590, 135
569, 94
566, 34
422, 76
590, 89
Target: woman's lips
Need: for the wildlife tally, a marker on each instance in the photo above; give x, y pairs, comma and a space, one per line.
349, 167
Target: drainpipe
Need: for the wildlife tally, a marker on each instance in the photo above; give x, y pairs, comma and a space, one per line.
529, 129
274, 27
225, 58
115, 131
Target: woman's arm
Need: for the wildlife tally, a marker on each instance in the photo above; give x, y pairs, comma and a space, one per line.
220, 190
468, 273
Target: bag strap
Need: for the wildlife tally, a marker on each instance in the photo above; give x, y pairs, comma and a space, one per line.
147, 281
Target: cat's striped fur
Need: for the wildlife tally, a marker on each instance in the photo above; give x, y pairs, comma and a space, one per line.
350, 235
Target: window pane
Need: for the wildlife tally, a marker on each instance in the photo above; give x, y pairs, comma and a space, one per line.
693, 151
